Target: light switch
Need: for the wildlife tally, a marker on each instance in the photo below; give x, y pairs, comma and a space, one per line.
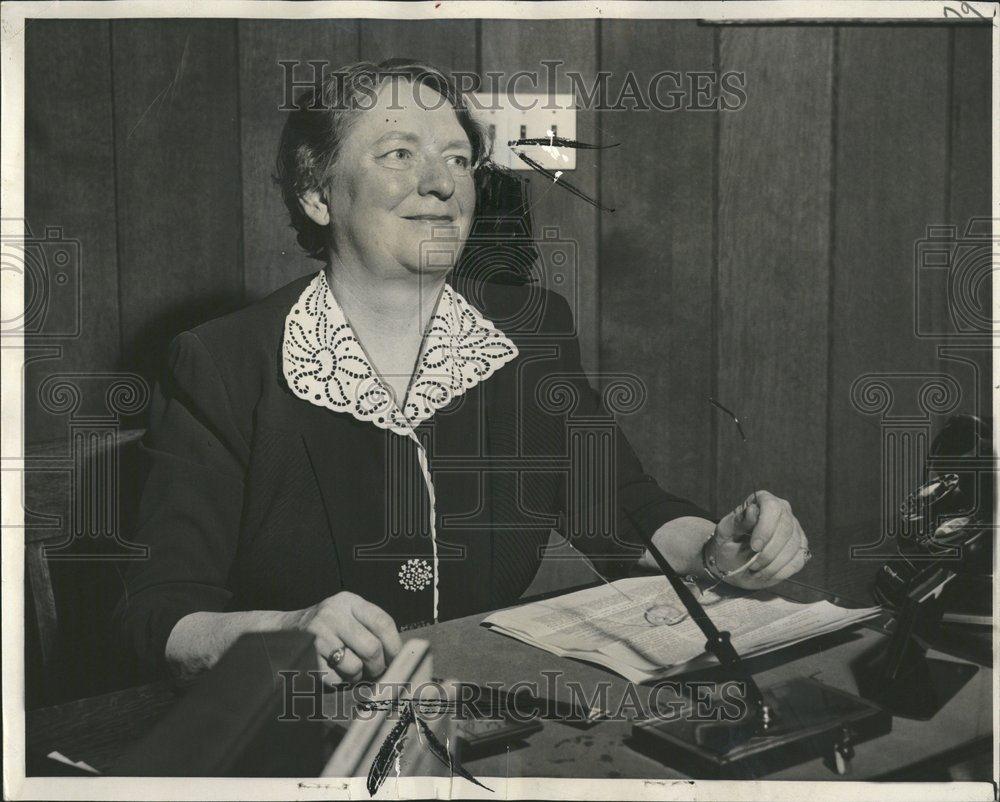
529, 116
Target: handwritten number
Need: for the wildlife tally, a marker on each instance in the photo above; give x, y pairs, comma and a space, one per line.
965, 10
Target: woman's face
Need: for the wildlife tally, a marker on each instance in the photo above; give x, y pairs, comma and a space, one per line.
404, 173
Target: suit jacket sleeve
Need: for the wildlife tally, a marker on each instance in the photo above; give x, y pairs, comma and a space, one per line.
641, 505
191, 503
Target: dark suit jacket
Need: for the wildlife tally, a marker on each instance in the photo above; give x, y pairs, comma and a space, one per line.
256, 499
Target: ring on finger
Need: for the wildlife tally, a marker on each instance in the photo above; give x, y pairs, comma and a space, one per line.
335, 657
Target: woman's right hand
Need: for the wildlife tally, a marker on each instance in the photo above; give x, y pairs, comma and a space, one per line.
365, 632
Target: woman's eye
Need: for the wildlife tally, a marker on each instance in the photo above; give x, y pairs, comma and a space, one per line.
398, 157
462, 162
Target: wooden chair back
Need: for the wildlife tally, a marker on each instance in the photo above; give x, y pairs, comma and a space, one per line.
80, 499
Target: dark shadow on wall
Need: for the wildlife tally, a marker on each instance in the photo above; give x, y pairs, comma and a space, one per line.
146, 352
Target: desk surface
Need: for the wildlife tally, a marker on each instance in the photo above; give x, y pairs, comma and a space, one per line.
97, 730
561, 750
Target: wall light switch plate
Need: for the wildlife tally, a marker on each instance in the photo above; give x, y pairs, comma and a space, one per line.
528, 116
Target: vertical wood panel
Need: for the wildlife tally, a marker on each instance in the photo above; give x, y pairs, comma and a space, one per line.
272, 257
656, 251
774, 240
971, 119
890, 184
508, 47
448, 45
179, 218
178, 174
69, 178
970, 187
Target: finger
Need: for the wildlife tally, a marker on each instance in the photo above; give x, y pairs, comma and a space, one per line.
771, 510
381, 625
326, 641
346, 669
747, 516
350, 667
793, 567
364, 644
779, 568
774, 539
802, 537
791, 548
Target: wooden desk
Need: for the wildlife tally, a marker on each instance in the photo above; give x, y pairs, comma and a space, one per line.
97, 730
561, 750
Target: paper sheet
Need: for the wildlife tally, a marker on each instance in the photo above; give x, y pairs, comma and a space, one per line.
612, 625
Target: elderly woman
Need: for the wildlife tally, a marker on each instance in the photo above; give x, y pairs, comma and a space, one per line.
367, 448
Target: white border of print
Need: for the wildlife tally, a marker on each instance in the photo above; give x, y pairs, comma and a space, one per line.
15, 784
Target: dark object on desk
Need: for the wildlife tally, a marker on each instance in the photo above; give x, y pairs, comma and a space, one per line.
789, 723
949, 520
900, 676
815, 719
944, 568
481, 737
491, 720
227, 725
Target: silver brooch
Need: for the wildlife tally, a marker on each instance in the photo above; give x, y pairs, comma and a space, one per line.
415, 574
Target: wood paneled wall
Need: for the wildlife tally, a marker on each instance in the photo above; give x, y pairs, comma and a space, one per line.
763, 256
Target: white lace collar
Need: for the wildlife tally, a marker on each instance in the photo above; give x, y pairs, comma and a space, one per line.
324, 363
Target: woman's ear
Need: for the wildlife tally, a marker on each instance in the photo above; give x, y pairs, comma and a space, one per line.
314, 205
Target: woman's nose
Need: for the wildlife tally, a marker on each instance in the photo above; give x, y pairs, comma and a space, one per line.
436, 179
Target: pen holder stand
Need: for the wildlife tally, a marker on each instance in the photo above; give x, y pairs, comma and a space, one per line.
809, 719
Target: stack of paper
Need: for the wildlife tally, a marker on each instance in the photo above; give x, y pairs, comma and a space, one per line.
637, 627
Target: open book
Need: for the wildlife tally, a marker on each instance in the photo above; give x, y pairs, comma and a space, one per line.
638, 627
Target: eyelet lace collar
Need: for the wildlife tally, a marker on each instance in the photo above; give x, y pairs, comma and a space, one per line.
324, 363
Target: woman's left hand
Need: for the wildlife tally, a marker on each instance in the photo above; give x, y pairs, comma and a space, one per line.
763, 525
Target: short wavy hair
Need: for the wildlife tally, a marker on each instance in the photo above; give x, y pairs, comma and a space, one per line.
315, 129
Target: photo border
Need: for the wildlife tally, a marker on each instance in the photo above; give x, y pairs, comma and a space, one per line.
13, 17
